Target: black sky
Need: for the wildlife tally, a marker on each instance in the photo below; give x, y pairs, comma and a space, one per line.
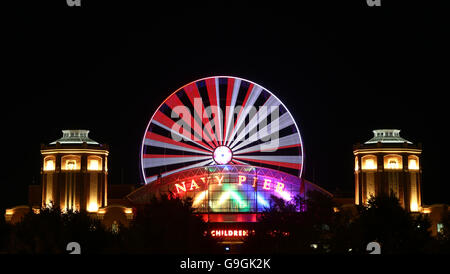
341, 68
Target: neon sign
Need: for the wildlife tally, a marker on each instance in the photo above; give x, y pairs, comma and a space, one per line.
268, 184
229, 233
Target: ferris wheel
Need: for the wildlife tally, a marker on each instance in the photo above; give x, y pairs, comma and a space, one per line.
220, 120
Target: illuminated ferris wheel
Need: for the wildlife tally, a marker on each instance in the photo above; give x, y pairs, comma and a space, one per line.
220, 120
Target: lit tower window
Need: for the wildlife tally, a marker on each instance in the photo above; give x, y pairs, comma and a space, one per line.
393, 162
369, 162
70, 162
49, 164
413, 162
94, 163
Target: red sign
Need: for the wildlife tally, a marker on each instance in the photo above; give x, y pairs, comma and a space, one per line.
268, 184
229, 232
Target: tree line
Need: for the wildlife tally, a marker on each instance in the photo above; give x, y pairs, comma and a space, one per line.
170, 226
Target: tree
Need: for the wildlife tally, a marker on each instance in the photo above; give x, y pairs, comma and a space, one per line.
384, 220
283, 228
50, 231
297, 226
443, 236
168, 225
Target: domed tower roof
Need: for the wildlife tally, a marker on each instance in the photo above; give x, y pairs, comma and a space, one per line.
75, 136
387, 136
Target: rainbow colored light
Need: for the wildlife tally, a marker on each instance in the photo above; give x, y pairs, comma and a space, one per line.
236, 194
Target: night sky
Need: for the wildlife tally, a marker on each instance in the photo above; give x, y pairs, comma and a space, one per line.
340, 67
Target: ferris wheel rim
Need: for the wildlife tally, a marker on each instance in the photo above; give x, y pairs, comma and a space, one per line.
214, 77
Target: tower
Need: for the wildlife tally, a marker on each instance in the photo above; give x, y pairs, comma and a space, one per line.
388, 163
74, 172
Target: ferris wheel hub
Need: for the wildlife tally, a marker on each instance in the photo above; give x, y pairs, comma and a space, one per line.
222, 155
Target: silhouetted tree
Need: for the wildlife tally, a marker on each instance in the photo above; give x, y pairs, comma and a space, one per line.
384, 220
87, 231
168, 225
50, 231
283, 228
443, 236
286, 228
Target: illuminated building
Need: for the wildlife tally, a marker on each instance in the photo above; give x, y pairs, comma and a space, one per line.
210, 140
386, 164
227, 143
74, 172
227, 193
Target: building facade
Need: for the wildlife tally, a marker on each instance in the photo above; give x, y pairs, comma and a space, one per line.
74, 177
387, 164
74, 172
226, 163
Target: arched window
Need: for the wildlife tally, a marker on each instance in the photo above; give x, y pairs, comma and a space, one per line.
71, 162
49, 163
393, 161
94, 163
413, 162
369, 162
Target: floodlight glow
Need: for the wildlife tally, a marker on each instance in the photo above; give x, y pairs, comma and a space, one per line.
262, 201
413, 164
49, 165
236, 196
93, 164
200, 197
223, 198
222, 155
286, 196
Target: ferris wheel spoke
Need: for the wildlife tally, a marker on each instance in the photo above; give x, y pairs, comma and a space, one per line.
219, 110
155, 160
258, 148
240, 162
272, 145
154, 143
275, 126
182, 111
207, 132
199, 108
153, 139
293, 162
181, 136
247, 94
234, 89
229, 94
167, 173
212, 86
246, 107
260, 116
